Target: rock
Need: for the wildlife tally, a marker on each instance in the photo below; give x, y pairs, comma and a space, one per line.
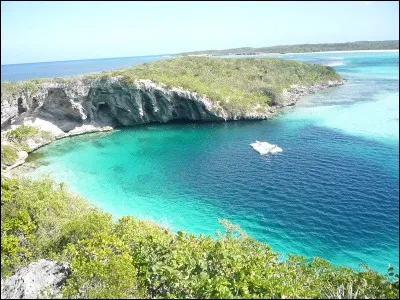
109, 102
295, 92
87, 129
265, 148
43, 125
31, 281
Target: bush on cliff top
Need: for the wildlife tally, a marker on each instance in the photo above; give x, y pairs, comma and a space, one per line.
8, 155
19, 136
130, 258
21, 133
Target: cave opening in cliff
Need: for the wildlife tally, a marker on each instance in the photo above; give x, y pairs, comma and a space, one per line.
104, 113
21, 106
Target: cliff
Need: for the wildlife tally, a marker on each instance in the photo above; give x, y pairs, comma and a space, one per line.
111, 102
108, 102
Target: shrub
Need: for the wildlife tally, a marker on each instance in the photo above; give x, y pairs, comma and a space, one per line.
8, 155
32, 215
130, 258
101, 268
21, 133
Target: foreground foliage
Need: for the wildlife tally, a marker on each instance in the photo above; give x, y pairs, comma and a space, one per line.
128, 258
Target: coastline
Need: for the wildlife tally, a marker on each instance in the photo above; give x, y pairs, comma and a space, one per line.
342, 51
292, 53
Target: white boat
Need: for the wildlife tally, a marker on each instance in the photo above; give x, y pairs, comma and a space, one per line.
265, 148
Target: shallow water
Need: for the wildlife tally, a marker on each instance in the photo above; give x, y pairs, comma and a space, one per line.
333, 191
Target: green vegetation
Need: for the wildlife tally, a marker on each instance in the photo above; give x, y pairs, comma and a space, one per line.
8, 155
238, 85
28, 87
362, 45
128, 258
17, 139
21, 133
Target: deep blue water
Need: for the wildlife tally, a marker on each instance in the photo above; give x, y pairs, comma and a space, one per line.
14, 72
333, 191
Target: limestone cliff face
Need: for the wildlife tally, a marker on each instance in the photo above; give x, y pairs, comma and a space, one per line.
112, 102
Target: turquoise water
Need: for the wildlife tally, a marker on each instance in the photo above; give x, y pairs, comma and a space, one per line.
333, 191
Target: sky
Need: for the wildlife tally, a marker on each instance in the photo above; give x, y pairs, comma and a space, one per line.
56, 31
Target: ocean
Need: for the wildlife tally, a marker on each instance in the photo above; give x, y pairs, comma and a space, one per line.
333, 192
15, 72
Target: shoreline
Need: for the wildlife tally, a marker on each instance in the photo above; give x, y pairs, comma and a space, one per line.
292, 53
342, 51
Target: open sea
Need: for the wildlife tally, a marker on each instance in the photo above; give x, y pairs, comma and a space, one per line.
15, 72
333, 192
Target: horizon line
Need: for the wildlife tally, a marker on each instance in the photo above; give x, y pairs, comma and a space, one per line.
172, 54
68, 60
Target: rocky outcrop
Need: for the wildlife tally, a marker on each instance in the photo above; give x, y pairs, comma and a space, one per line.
107, 102
295, 92
38, 280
